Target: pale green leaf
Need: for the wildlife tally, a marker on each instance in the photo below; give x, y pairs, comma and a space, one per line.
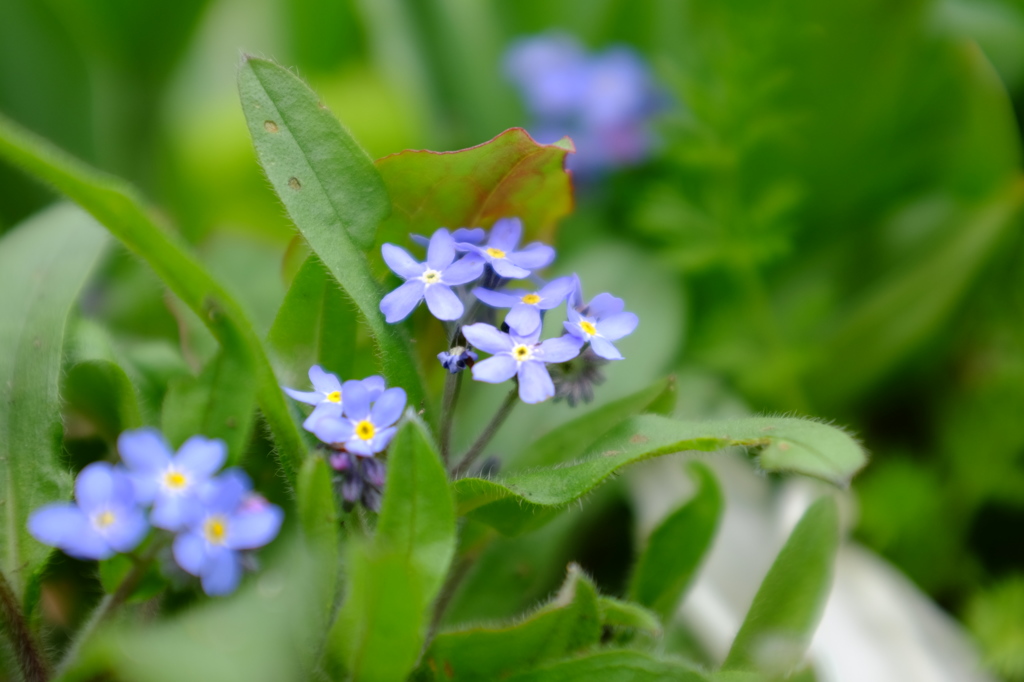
614, 666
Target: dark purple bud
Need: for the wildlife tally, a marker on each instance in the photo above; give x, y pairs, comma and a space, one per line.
341, 461
457, 359
374, 471
352, 489
371, 498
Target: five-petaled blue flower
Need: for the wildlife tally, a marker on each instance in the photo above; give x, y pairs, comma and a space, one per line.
523, 356
229, 519
169, 482
327, 395
367, 426
524, 316
431, 280
600, 322
106, 519
501, 254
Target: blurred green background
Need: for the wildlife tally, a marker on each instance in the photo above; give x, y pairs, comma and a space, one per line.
831, 225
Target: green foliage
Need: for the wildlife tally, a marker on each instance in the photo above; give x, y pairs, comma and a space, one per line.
787, 606
44, 264
623, 614
523, 501
995, 617
613, 666
677, 546
332, 192
101, 392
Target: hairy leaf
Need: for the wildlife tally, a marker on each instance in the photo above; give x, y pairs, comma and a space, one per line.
117, 206
570, 623
331, 191
43, 265
613, 666
625, 614
510, 175
677, 546
522, 501
779, 625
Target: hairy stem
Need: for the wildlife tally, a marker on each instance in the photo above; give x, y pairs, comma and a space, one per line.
488, 433
452, 389
34, 666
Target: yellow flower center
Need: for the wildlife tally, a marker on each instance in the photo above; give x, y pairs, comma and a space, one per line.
495, 253
521, 353
334, 397
532, 299
175, 480
588, 328
104, 519
431, 276
365, 430
215, 529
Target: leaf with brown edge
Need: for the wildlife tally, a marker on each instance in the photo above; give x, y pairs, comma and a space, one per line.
511, 175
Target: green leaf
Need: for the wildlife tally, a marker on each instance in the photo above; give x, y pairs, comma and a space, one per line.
392, 584
779, 625
117, 206
331, 191
677, 546
315, 325
113, 572
43, 265
624, 614
568, 441
570, 623
522, 501
511, 175
613, 666
100, 391
219, 403
317, 508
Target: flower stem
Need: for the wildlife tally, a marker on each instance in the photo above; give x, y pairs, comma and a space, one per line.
488, 433
452, 389
34, 666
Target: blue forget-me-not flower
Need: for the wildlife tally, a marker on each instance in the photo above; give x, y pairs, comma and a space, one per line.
228, 520
367, 424
599, 322
431, 280
168, 481
327, 395
502, 254
522, 356
104, 519
525, 306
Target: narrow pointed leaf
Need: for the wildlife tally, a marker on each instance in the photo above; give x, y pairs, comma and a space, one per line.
43, 265
116, 205
510, 175
614, 666
677, 547
569, 624
786, 609
522, 501
332, 192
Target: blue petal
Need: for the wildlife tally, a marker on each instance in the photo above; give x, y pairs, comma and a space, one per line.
604, 305
388, 408
487, 338
575, 299
332, 431
524, 319
174, 512
441, 250
400, 262
529, 339
616, 326
562, 349
555, 291
308, 397
87, 544
505, 268
144, 450
474, 235
443, 303
506, 233
94, 486
252, 529
575, 330
495, 370
222, 572
202, 457
128, 529
399, 303
357, 400
325, 410
52, 524
535, 385
146, 486
382, 439
534, 256
466, 269
605, 348
374, 385
190, 552
359, 446
495, 299
419, 239
224, 493
323, 381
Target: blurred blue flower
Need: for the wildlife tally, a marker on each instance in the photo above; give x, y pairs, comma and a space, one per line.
105, 519
500, 251
522, 356
599, 322
431, 280
228, 520
327, 396
457, 359
367, 424
170, 482
525, 306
